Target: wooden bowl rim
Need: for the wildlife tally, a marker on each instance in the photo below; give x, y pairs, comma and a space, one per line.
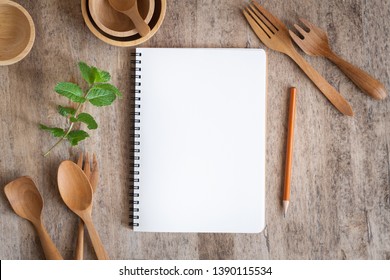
118, 41
127, 33
31, 40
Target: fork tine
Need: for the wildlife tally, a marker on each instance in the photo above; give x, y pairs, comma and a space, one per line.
253, 24
87, 166
314, 28
94, 163
256, 24
297, 40
300, 30
95, 173
260, 17
270, 17
307, 23
80, 160
294, 36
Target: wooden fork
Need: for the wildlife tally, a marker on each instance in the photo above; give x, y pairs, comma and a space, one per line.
315, 42
93, 177
274, 34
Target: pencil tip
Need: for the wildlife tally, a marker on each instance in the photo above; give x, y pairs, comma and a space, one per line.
285, 207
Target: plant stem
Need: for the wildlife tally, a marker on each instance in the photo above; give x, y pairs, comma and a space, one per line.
59, 141
70, 127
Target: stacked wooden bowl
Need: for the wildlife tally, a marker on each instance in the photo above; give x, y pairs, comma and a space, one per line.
116, 28
17, 32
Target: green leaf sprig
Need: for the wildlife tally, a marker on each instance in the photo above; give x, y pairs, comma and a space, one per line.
99, 93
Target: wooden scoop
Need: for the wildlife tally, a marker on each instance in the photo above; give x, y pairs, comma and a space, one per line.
130, 8
27, 202
76, 192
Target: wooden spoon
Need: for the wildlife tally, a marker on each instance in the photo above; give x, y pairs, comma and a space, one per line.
27, 202
315, 42
130, 8
76, 192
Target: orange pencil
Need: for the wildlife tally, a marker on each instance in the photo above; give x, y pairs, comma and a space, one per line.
289, 153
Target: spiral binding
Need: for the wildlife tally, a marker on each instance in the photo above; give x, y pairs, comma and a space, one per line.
134, 195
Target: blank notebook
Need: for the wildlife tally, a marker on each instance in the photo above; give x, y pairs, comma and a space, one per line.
199, 146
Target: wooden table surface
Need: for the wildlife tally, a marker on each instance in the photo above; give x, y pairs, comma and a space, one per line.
340, 200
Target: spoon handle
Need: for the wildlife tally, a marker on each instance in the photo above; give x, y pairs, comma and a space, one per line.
96, 242
49, 248
362, 79
140, 24
80, 241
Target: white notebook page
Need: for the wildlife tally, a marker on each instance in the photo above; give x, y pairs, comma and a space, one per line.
202, 140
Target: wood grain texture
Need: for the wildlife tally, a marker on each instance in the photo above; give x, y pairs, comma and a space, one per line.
340, 188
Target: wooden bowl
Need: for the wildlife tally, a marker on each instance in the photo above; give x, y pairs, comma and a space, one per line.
17, 32
116, 23
130, 41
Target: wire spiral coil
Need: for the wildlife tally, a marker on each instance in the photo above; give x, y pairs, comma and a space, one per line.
135, 135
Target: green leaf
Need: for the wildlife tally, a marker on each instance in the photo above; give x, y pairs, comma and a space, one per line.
55, 131
100, 76
71, 91
99, 95
76, 136
86, 72
66, 111
88, 120
92, 74
111, 88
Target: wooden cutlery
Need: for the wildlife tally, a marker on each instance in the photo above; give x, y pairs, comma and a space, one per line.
76, 184
315, 42
76, 191
27, 202
92, 174
130, 8
274, 34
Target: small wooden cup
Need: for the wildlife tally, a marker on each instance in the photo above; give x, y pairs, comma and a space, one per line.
116, 23
17, 32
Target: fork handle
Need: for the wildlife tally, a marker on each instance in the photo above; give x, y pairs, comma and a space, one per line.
330, 92
362, 79
95, 239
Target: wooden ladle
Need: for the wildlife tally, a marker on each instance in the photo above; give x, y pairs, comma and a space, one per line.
27, 202
76, 192
130, 8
